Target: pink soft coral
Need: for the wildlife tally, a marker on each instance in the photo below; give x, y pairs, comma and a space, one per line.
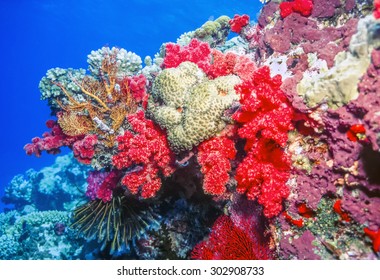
136, 85
230, 63
84, 150
102, 184
105, 191
214, 156
197, 52
51, 141
144, 153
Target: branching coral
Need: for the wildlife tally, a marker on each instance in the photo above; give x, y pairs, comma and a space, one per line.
106, 102
89, 105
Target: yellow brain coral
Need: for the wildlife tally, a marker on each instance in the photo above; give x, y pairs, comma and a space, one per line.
189, 105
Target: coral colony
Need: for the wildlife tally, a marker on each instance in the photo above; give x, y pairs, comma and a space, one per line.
265, 146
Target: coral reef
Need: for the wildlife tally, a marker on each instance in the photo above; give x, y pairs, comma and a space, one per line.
264, 146
59, 186
32, 236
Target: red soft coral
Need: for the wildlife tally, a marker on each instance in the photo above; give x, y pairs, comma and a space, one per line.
265, 118
375, 237
51, 141
230, 63
376, 12
230, 242
265, 111
144, 153
238, 22
197, 52
263, 175
303, 7
214, 156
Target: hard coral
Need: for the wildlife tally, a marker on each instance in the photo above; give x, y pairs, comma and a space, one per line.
238, 22
144, 153
190, 106
213, 32
214, 156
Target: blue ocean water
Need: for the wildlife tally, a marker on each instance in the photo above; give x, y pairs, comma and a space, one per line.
37, 35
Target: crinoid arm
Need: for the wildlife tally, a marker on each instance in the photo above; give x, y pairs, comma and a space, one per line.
113, 223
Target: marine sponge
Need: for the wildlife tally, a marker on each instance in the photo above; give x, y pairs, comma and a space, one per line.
189, 105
